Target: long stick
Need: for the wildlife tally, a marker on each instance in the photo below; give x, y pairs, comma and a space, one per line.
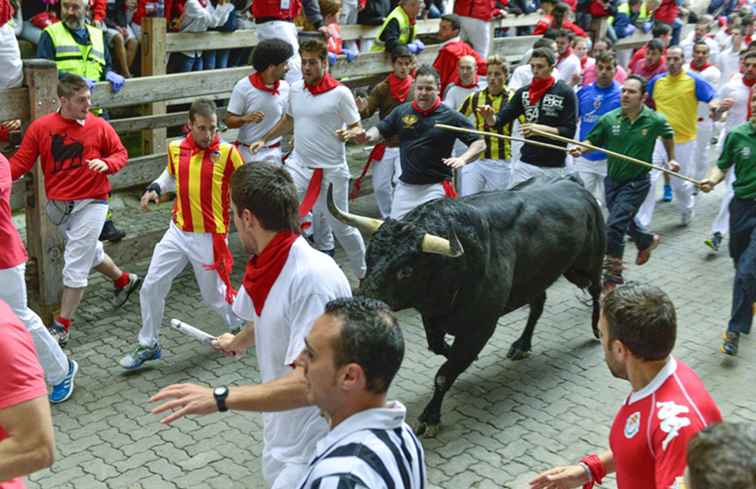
500, 136
615, 154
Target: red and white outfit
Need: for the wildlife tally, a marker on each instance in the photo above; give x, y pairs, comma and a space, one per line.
569, 68
250, 94
318, 112
13, 290
285, 289
22, 379
705, 126
650, 433
274, 19
475, 22
77, 196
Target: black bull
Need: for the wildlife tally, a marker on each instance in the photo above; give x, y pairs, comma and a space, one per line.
504, 249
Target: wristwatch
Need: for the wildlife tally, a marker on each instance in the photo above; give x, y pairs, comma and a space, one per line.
220, 394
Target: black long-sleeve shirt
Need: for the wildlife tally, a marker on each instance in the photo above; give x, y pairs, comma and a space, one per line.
557, 108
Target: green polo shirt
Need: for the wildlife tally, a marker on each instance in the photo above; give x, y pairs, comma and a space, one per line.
740, 150
617, 133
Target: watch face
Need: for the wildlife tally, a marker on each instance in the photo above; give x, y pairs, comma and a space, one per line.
220, 391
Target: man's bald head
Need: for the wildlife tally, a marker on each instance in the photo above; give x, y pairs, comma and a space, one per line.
466, 67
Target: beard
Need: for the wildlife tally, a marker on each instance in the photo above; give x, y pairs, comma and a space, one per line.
73, 22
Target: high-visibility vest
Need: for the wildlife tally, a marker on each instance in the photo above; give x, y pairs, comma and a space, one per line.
406, 29
624, 8
86, 61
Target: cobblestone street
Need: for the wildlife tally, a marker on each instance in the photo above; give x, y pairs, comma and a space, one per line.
503, 421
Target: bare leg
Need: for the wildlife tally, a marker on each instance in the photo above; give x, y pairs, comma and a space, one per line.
109, 269
132, 45
70, 301
119, 56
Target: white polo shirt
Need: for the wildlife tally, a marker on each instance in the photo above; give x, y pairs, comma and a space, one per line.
456, 95
568, 67
245, 98
308, 281
316, 120
735, 89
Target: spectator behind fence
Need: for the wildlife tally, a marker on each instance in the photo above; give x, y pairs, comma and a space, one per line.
373, 13
10, 56
120, 35
558, 19
399, 28
723, 456
475, 17
452, 50
199, 16
631, 15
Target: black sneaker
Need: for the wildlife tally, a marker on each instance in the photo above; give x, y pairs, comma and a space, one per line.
120, 296
111, 233
714, 242
730, 344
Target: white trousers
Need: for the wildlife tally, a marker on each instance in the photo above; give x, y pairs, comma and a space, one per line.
323, 222
268, 155
385, 177
280, 29
522, 171
721, 223
477, 32
593, 174
11, 74
681, 189
485, 175
701, 157
172, 254
83, 250
280, 475
349, 10
13, 291
408, 196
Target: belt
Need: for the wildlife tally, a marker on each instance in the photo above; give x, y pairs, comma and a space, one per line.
262, 20
238, 143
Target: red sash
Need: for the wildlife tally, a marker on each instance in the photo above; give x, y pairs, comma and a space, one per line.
376, 155
449, 190
311, 195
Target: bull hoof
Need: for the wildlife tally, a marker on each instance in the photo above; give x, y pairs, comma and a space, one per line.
516, 353
427, 430
442, 349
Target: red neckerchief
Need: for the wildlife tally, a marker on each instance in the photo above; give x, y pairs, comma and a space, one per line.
203, 3
325, 84
189, 143
750, 84
399, 87
583, 61
538, 88
564, 55
263, 269
426, 113
256, 80
699, 68
471, 85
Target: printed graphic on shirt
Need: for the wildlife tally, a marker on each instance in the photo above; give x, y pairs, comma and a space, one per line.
551, 104
67, 153
632, 426
672, 421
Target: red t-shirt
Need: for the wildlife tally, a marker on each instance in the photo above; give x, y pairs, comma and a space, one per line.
448, 58
22, 377
64, 146
649, 437
12, 252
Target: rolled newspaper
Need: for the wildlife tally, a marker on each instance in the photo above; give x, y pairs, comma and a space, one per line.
190, 330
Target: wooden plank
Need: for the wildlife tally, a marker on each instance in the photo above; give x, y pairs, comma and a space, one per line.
518, 21
14, 104
131, 124
638, 39
154, 61
189, 41
18, 195
140, 171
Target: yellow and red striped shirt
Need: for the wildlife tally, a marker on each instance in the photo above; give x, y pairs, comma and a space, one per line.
203, 177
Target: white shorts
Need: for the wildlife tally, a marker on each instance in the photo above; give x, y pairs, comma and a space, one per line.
81, 229
408, 196
270, 155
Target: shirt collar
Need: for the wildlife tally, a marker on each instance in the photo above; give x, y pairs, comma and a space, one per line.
669, 369
81, 122
645, 112
388, 417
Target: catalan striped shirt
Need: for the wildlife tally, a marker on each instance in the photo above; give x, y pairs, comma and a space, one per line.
373, 449
203, 178
496, 149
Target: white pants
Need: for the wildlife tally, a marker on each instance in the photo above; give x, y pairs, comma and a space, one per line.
13, 291
323, 222
485, 175
349, 10
408, 196
280, 29
477, 32
280, 475
11, 74
703, 145
175, 250
593, 174
721, 223
681, 189
522, 171
385, 176
83, 250
268, 155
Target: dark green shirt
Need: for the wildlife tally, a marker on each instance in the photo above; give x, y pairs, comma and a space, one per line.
616, 133
740, 150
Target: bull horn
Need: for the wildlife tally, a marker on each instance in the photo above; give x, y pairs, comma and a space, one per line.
441, 246
367, 225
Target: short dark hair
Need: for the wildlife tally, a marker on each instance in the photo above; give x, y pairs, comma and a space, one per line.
204, 107
400, 51
453, 19
561, 10
678, 48
565, 33
607, 57
70, 84
643, 82
722, 455
749, 54
655, 44
660, 29
643, 318
268, 192
271, 52
543, 42
544, 53
370, 337
428, 70
701, 43
314, 46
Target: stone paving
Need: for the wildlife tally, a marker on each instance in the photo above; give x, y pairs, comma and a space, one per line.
503, 421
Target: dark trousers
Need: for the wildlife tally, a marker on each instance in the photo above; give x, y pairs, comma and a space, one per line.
743, 253
623, 201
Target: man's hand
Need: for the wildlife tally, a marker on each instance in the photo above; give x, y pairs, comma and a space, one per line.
256, 146
357, 134
13, 125
254, 117
726, 104
323, 29
147, 197
674, 165
362, 103
529, 129
488, 114
566, 477
576, 152
97, 165
186, 399
228, 345
707, 185
454, 162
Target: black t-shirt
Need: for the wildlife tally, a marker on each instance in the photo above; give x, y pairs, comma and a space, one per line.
557, 108
422, 146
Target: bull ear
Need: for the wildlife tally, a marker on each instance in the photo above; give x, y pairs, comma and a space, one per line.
367, 225
441, 246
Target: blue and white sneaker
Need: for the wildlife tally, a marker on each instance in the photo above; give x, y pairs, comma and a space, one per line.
63, 390
141, 354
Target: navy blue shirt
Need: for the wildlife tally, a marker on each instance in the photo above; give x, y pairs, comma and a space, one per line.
46, 50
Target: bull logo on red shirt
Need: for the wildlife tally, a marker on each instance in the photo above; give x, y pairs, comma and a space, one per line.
67, 153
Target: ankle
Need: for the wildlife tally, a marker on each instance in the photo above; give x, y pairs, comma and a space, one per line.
122, 281
65, 322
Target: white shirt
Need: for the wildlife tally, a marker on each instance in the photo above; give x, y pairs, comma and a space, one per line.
308, 281
729, 64
245, 98
688, 43
197, 18
455, 95
354, 445
712, 75
735, 89
568, 68
523, 75
316, 120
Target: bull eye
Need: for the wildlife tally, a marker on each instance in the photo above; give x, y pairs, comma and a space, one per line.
404, 273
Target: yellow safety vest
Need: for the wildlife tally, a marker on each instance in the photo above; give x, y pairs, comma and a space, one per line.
87, 61
406, 30
625, 9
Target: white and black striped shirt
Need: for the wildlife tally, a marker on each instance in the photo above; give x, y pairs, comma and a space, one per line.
373, 449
